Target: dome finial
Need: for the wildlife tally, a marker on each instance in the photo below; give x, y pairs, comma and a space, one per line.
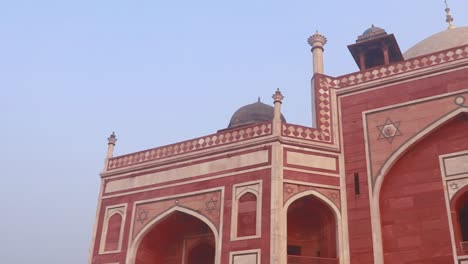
259, 100
449, 18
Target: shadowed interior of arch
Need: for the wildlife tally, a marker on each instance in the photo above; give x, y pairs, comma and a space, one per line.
311, 232
178, 238
460, 220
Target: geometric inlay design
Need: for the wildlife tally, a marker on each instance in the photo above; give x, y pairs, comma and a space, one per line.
460, 101
291, 189
397, 68
142, 216
389, 130
210, 205
207, 204
213, 140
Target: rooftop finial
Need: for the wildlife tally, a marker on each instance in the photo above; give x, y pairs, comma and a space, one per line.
259, 100
278, 96
112, 139
449, 19
317, 41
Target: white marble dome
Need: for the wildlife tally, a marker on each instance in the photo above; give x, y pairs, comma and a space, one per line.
446, 39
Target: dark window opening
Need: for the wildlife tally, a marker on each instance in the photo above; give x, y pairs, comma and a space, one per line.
464, 222
294, 250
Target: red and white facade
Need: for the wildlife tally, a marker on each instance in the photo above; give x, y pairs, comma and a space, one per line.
382, 177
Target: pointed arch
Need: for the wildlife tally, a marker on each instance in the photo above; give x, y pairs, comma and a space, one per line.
113, 229
134, 245
246, 217
388, 164
247, 214
336, 213
376, 187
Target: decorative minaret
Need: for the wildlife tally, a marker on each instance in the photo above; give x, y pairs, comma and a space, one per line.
277, 100
110, 148
449, 19
317, 41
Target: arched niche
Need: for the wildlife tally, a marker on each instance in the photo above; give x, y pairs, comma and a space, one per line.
410, 197
165, 237
313, 229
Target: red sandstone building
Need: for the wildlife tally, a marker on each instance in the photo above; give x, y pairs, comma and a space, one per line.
381, 177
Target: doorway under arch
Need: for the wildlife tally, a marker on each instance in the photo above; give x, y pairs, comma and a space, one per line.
311, 232
171, 240
202, 253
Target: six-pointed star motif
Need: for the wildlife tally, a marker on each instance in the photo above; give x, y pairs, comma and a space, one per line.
142, 216
210, 205
389, 130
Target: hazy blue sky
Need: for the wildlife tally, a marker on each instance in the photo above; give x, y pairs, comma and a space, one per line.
156, 72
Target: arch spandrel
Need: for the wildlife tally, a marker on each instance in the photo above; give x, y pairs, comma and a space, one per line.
291, 190
134, 245
206, 204
390, 132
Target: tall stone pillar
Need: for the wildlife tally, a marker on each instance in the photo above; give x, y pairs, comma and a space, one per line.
317, 41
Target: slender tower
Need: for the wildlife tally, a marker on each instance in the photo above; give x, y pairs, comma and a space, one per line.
317, 41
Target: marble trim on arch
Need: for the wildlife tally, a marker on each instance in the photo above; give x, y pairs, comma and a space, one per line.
291, 189
206, 204
135, 239
374, 189
239, 189
378, 168
336, 211
111, 210
460, 181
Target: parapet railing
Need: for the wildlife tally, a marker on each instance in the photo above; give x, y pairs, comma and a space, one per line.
213, 140
413, 64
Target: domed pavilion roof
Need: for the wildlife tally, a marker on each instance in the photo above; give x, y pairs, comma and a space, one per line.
257, 112
372, 33
446, 39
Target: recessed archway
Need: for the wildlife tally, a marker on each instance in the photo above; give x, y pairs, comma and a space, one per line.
171, 239
375, 189
411, 199
311, 230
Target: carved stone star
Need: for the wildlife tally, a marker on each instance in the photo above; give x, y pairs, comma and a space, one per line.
289, 189
389, 130
142, 216
210, 205
334, 196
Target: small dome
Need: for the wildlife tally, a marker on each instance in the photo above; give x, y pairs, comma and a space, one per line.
446, 39
253, 113
371, 33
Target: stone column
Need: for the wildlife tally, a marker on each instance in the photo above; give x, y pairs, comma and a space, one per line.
110, 148
277, 100
277, 234
317, 41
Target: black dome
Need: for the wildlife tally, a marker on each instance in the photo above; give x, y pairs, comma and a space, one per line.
253, 113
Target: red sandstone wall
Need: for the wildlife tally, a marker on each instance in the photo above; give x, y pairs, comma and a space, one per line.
415, 226
227, 182
360, 232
